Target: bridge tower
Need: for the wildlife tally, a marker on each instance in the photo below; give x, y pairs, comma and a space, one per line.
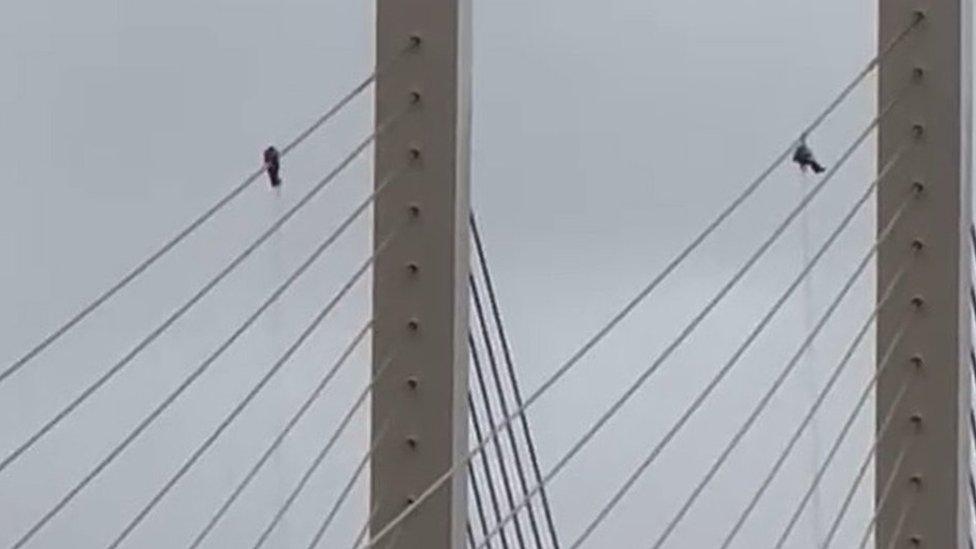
930, 421
420, 295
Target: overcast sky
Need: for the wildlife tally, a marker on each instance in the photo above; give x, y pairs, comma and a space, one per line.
606, 134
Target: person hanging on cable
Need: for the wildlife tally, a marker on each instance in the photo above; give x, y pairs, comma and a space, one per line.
272, 163
803, 156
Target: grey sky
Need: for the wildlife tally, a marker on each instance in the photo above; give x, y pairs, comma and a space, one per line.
606, 134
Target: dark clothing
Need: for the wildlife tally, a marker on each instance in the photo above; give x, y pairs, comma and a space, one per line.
272, 163
804, 157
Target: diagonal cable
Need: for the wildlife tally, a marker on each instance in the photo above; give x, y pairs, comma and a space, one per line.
835, 447
972, 299
865, 465
972, 237
513, 379
196, 224
737, 356
483, 329
972, 489
364, 530
201, 368
394, 540
906, 509
777, 384
644, 293
360, 467
202, 449
280, 438
503, 403
835, 375
324, 452
383, 68
972, 504
479, 503
210, 285
883, 500
499, 455
710, 306
486, 469
972, 363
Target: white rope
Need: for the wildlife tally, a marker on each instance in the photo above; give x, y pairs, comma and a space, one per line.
821, 397
885, 425
737, 356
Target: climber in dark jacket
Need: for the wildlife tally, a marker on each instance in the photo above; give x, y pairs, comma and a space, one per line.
272, 163
804, 157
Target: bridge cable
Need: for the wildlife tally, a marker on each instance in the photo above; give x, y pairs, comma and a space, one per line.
784, 374
347, 489
283, 434
882, 504
821, 397
972, 237
197, 223
364, 530
513, 379
394, 540
972, 503
972, 439
972, 361
852, 491
486, 468
646, 291
907, 508
326, 449
865, 464
884, 364
710, 306
503, 403
149, 419
771, 392
739, 353
832, 453
499, 454
479, 501
835, 375
179, 312
972, 299
200, 451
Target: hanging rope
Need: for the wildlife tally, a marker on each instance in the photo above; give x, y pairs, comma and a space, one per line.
794, 519
662, 358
